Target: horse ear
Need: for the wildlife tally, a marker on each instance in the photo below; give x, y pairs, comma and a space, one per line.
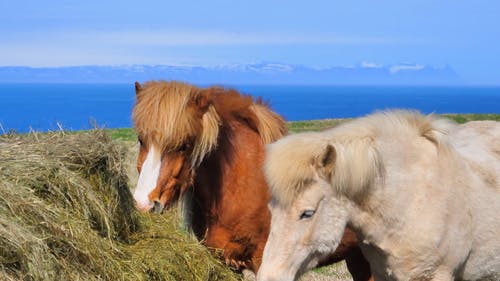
138, 87
325, 162
202, 101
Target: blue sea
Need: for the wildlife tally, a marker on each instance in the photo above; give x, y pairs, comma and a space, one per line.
43, 107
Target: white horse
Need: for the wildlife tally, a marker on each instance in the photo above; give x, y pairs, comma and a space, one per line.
421, 193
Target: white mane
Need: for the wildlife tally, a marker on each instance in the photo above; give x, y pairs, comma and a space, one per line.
289, 161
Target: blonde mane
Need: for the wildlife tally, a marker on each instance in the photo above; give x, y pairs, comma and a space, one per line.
289, 165
166, 116
270, 125
162, 116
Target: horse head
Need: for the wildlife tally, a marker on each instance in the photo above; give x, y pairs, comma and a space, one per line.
313, 178
307, 220
177, 126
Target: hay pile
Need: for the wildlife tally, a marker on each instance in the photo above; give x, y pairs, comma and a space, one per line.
66, 213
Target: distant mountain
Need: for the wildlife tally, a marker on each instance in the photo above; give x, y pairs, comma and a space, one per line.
259, 73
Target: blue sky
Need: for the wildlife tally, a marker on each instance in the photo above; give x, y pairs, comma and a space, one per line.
462, 34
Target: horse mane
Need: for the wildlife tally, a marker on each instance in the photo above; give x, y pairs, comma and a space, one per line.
163, 116
289, 165
270, 125
232, 105
166, 115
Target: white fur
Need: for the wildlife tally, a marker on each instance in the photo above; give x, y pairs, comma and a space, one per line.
147, 179
429, 212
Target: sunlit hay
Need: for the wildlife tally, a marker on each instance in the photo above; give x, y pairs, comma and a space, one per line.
66, 213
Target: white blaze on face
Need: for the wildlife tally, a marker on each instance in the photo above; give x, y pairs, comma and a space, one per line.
147, 179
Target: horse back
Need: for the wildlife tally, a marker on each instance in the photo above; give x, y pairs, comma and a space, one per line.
478, 144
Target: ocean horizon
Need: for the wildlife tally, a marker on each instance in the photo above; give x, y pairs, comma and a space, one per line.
45, 107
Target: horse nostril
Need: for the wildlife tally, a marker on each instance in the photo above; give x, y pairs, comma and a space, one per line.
157, 207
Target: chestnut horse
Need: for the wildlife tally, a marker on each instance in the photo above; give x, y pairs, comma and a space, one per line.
206, 148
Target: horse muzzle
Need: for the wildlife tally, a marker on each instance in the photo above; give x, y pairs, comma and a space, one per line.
157, 208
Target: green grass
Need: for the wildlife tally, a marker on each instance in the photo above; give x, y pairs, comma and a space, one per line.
313, 125
123, 134
462, 118
128, 134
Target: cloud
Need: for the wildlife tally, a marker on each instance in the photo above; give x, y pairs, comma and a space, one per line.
366, 64
191, 37
221, 38
50, 55
159, 46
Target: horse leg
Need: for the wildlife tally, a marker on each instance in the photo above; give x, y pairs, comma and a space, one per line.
234, 251
357, 265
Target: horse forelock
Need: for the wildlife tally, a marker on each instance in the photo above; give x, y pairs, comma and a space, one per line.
165, 116
288, 165
160, 116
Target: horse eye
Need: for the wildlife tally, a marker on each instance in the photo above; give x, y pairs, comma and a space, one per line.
140, 141
307, 214
184, 147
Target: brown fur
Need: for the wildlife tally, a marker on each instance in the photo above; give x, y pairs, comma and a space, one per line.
226, 182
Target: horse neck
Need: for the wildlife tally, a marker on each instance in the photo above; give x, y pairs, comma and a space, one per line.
208, 179
217, 168
392, 199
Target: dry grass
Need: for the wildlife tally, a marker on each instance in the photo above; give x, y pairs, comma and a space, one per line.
334, 272
66, 213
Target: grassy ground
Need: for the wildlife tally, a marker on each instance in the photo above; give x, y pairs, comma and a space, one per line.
462, 118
